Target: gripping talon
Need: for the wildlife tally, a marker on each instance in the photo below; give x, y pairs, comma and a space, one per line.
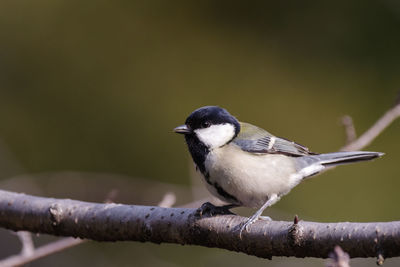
245, 226
211, 210
265, 218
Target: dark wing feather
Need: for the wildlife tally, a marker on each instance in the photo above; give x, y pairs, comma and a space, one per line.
256, 140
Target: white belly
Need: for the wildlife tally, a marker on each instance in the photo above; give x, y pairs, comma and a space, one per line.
251, 178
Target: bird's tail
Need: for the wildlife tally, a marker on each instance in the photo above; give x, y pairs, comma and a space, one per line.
337, 158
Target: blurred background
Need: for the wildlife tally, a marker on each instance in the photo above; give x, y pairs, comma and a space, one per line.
90, 92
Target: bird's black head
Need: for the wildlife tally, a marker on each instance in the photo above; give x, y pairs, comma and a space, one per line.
208, 128
207, 116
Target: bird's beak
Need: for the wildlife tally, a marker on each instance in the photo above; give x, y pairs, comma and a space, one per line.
183, 129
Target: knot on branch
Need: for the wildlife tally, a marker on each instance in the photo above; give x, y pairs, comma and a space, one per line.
56, 213
295, 233
379, 258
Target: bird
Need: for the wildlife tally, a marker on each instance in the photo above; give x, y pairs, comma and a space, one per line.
244, 165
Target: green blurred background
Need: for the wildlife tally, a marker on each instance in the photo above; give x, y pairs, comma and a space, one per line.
90, 92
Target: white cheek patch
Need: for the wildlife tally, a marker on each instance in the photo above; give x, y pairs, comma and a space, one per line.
216, 135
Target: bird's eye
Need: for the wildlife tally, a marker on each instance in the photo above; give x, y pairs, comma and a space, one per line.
205, 124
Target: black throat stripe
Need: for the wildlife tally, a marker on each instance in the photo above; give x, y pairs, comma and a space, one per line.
221, 191
199, 153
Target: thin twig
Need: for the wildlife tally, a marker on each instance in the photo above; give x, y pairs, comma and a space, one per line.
111, 196
27, 243
41, 252
366, 138
168, 200
380, 259
338, 258
351, 135
29, 253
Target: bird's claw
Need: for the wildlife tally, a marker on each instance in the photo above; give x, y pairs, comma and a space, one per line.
211, 210
265, 218
245, 226
250, 221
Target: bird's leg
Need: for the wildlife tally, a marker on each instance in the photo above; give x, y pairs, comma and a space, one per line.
272, 200
210, 209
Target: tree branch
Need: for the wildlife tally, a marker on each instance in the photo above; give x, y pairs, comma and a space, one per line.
27, 243
29, 253
350, 130
338, 258
380, 125
43, 251
117, 222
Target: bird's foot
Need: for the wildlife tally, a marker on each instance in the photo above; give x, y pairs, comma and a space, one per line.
271, 200
250, 221
265, 218
211, 210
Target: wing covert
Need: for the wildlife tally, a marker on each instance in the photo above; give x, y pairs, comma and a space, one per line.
256, 140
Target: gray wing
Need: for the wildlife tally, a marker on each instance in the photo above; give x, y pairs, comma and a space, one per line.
256, 140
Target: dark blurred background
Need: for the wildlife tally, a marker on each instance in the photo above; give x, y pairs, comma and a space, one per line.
90, 92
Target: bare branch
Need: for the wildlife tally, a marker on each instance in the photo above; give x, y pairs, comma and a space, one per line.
117, 222
365, 139
41, 252
29, 254
380, 260
111, 196
351, 135
168, 200
338, 258
27, 243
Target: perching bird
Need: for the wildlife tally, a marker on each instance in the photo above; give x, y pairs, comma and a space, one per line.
244, 165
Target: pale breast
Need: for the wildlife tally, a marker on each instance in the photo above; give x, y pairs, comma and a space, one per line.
251, 178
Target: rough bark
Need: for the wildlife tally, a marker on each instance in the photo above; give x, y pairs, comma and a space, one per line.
117, 222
